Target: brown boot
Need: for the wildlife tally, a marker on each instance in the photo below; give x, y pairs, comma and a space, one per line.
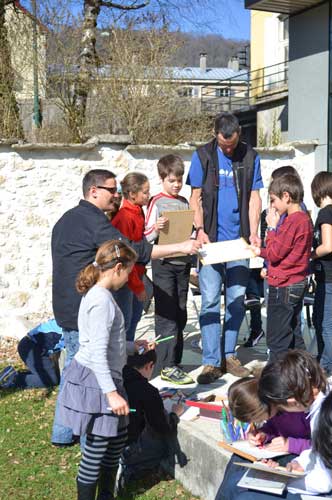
209, 374
234, 367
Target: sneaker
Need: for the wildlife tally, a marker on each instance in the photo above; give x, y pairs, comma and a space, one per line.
234, 367
196, 344
209, 374
254, 338
176, 376
7, 375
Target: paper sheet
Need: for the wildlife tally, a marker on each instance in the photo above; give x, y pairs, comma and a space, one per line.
225, 251
259, 453
279, 471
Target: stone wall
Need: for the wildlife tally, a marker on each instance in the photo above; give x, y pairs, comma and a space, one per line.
38, 183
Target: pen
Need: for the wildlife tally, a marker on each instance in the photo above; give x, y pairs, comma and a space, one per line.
165, 339
131, 410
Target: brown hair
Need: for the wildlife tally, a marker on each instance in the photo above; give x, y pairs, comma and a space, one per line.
244, 402
293, 376
321, 187
285, 170
95, 177
132, 183
170, 164
290, 184
108, 255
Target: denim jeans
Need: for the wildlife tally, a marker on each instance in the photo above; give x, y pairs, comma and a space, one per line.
131, 308
60, 433
322, 318
283, 329
34, 354
235, 275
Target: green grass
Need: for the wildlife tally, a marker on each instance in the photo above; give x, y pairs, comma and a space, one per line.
32, 469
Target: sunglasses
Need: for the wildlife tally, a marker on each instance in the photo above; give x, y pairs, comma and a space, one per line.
112, 190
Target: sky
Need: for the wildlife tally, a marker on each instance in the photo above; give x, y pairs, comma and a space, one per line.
228, 18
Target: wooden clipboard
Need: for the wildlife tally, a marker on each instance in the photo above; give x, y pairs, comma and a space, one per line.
179, 227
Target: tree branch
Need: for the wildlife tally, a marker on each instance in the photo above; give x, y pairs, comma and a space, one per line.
110, 4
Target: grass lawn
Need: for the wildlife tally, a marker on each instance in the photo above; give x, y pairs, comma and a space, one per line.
32, 469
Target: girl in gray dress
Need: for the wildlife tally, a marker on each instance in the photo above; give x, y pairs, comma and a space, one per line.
93, 400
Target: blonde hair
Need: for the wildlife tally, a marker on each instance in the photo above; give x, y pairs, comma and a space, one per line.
108, 255
244, 402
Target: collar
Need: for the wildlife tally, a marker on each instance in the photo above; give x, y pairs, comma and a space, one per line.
130, 206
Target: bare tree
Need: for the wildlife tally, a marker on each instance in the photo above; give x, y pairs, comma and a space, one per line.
10, 124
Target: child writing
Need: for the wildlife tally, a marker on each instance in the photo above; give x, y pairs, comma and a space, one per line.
151, 430
130, 222
170, 275
282, 431
287, 252
92, 400
321, 189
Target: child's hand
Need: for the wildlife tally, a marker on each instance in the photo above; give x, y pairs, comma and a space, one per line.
142, 296
263, 273
278, 444
272, 218
117, 403
256, 250
256, 439
178, 409
294, 466
161, 223
142, 343
270, 463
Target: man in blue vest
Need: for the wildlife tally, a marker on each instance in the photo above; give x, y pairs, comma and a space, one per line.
225, 178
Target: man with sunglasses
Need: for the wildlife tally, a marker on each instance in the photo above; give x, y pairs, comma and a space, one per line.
225, 178
75, 240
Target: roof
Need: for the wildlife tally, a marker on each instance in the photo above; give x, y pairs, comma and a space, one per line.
282, 6
196, 73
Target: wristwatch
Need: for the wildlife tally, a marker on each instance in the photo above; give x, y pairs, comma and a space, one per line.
270, 228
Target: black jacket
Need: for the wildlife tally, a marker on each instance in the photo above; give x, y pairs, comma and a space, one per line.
75, 240
145, 398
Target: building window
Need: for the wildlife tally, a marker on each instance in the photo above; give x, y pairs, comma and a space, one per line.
186, 92
222, 92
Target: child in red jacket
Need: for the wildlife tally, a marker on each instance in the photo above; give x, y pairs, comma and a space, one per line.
130, 221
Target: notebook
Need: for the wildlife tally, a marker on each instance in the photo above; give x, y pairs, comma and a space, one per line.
263, 481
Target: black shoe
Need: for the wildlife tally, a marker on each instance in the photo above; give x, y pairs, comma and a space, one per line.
254, 338
86, 491
106, 483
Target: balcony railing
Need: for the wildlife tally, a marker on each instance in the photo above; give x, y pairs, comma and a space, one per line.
246, 90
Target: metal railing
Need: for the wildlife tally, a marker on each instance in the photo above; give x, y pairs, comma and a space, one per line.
246, 90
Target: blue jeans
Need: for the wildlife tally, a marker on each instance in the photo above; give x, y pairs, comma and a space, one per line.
322, 318
235, 275
60, 433
131, 308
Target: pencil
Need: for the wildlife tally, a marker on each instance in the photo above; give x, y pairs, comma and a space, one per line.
165, 339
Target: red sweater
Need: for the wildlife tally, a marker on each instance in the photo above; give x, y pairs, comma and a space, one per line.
288, 250
130, 222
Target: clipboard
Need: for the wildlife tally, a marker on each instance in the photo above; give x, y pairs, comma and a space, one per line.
225, 251
280, 471
178, 229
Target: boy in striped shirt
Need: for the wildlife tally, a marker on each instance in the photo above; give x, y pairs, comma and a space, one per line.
287, 252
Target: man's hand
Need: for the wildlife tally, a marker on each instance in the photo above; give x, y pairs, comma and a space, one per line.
255, 240
190, 247
117, 403
278, 444
272, 218
202, 237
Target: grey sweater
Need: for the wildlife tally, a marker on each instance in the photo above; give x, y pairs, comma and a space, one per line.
103, 347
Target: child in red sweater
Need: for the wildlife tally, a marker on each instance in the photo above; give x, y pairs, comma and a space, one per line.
287, 252
130, 221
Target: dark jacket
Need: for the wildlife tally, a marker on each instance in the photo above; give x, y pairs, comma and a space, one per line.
76, 238
243, 162
145, 398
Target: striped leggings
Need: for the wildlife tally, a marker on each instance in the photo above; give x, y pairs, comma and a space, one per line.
100, 452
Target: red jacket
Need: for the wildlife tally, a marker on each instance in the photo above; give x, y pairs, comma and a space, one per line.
288, 250
130, 222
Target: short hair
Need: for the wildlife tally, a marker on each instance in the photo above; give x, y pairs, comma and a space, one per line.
226, 124
290, 184
140, 360
322, 436
133, 183
170, 164
286, 169
321, 187
244, 402
295, 375
94, 178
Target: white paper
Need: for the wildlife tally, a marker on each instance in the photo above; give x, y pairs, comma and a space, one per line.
259, 453
225, 251
262, 481
189, 413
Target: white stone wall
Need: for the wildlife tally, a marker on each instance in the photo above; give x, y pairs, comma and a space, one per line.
38, 184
